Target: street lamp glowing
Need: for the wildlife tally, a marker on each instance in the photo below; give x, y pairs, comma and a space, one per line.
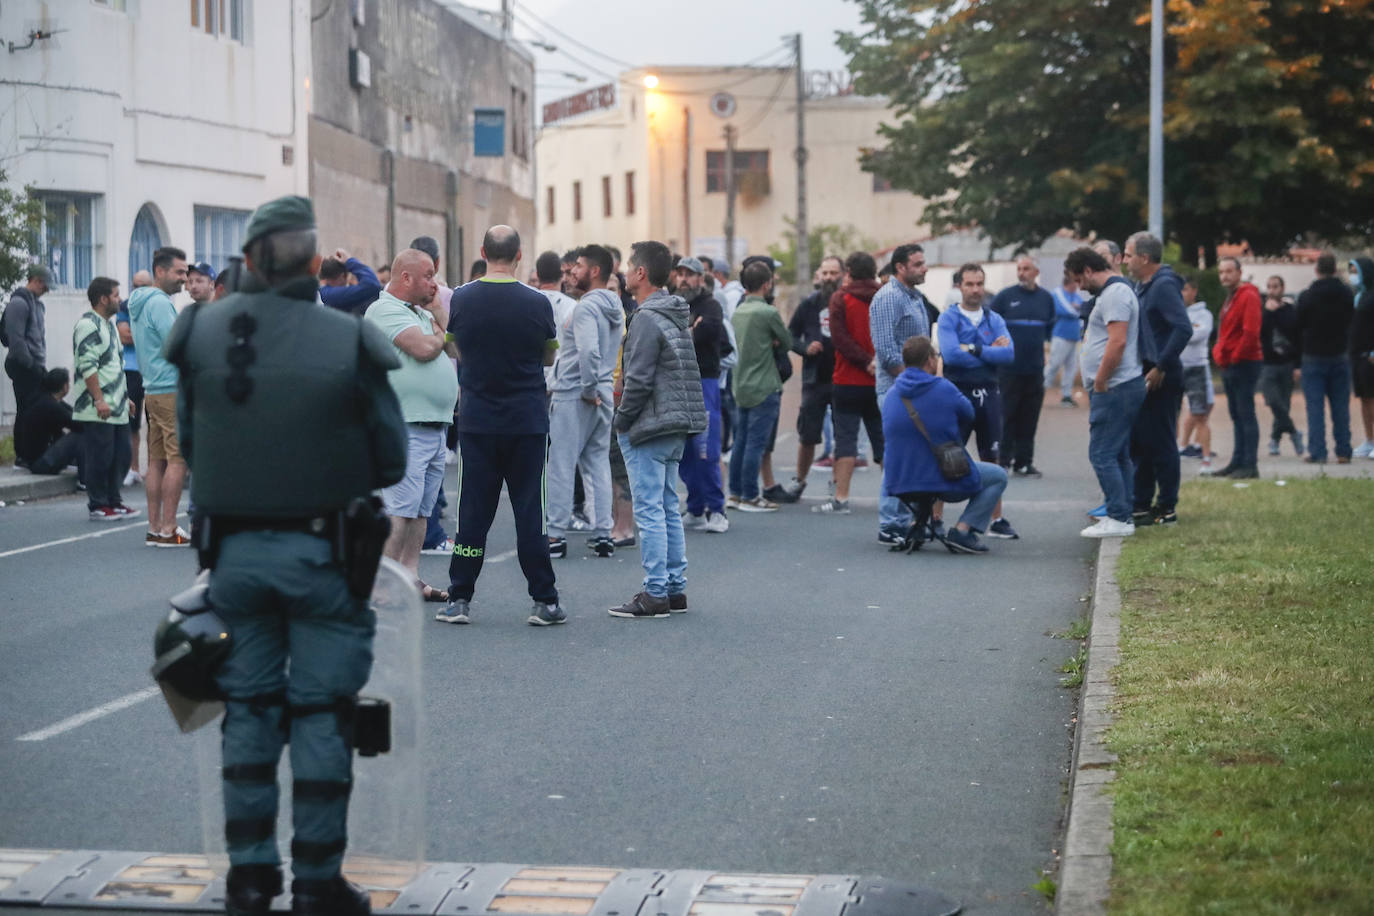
650, 82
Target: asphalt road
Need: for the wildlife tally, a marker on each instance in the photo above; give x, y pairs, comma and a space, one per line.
825, 705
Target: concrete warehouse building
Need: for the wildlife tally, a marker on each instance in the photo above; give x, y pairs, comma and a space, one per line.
645, 156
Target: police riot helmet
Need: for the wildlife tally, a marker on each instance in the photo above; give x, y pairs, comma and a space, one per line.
191, 644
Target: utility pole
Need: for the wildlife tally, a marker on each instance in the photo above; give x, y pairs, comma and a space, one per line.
730, 191
803, 235
1157, 119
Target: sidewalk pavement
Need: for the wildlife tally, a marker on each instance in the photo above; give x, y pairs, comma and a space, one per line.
19, 484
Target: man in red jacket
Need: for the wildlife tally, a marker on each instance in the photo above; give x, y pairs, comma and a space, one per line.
1240, 356
853, 398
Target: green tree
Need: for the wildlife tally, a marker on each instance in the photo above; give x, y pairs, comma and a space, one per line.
21, 216
826, 239
1022, 117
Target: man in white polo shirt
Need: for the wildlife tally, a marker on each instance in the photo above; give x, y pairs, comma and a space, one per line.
411, 314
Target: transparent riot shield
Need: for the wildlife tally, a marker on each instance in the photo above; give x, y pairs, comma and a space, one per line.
386, 829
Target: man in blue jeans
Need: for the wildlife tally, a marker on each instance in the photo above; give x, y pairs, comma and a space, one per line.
1322, 336
896, 314
661, 405
759, 335
910, 465
1111, 365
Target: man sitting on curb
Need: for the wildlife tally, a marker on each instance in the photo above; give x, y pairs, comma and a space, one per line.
910, 465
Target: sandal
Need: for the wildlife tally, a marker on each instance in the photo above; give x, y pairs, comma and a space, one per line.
430, 593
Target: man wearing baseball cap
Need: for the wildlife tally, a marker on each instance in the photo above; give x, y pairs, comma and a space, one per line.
200, 282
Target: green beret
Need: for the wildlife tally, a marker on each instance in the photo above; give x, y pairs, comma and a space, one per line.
281, 215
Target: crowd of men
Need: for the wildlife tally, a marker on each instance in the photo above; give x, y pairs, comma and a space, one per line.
1000, 353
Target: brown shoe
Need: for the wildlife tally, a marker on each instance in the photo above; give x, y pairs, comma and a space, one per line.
642, 606
1344, 459
177, 538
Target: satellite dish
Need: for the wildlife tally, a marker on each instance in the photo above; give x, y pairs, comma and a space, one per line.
723, 104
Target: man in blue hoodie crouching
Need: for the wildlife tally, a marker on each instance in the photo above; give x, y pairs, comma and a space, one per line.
910, 465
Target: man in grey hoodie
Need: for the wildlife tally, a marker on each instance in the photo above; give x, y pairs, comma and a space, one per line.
660, 406
583, 402
26, 337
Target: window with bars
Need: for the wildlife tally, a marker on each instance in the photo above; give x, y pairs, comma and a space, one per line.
629, 193
751, 169
219, 234
66, 241
548, 203
219, 17
606, 195
577, 201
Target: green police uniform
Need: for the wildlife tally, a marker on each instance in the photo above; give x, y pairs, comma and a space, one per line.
285, 417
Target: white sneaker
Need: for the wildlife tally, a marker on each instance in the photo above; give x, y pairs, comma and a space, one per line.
1365, 451
732, 501
1109, 528
694, 522
443, 549
132, 478
1205, 469
716, 523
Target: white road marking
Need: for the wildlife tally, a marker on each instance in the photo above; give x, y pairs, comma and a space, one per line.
80, 537
503, 557
90, 715
70, 540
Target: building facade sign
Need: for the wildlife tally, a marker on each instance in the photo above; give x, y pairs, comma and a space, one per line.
596, 99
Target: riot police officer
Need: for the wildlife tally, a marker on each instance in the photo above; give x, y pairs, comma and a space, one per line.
289, 423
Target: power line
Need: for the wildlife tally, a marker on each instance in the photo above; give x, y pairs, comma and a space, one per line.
566, 37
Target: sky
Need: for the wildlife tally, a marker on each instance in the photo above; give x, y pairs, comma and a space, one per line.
704, 32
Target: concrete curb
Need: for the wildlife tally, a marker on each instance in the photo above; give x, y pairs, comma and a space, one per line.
1086, 867
20, 484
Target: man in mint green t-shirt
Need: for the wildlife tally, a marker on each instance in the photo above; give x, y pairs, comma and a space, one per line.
411, 314
102, 406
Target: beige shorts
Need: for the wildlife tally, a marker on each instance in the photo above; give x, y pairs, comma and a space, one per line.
161, 410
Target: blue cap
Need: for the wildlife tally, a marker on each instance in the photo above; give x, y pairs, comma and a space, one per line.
203, 268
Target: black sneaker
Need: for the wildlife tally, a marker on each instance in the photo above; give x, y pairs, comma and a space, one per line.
603, 546
249, 889
1029, 471
999, 529
558, 548
957, 541
642, 606
937, 529
1226, 471
1165, 516
677, 604
1143, 517
1246, 473
546, 615
891, 538
456, 611
331, 897
625, 542
1190, 451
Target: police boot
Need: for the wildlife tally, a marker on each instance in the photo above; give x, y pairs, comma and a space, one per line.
330, 897
249, 889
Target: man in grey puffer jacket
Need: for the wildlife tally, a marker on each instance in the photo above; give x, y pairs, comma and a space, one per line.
583, 401
661, 405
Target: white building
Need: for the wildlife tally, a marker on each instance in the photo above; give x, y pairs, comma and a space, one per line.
645, 157
143, 123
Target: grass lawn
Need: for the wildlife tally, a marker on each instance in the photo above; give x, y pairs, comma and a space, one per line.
1245, 713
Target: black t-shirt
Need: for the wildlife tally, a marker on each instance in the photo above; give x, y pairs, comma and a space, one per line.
502, 329
43, 424
811, 322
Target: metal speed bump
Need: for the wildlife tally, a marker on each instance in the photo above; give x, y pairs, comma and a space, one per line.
146, 882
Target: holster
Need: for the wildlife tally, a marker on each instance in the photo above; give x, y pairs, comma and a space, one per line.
205, 539
362, 533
